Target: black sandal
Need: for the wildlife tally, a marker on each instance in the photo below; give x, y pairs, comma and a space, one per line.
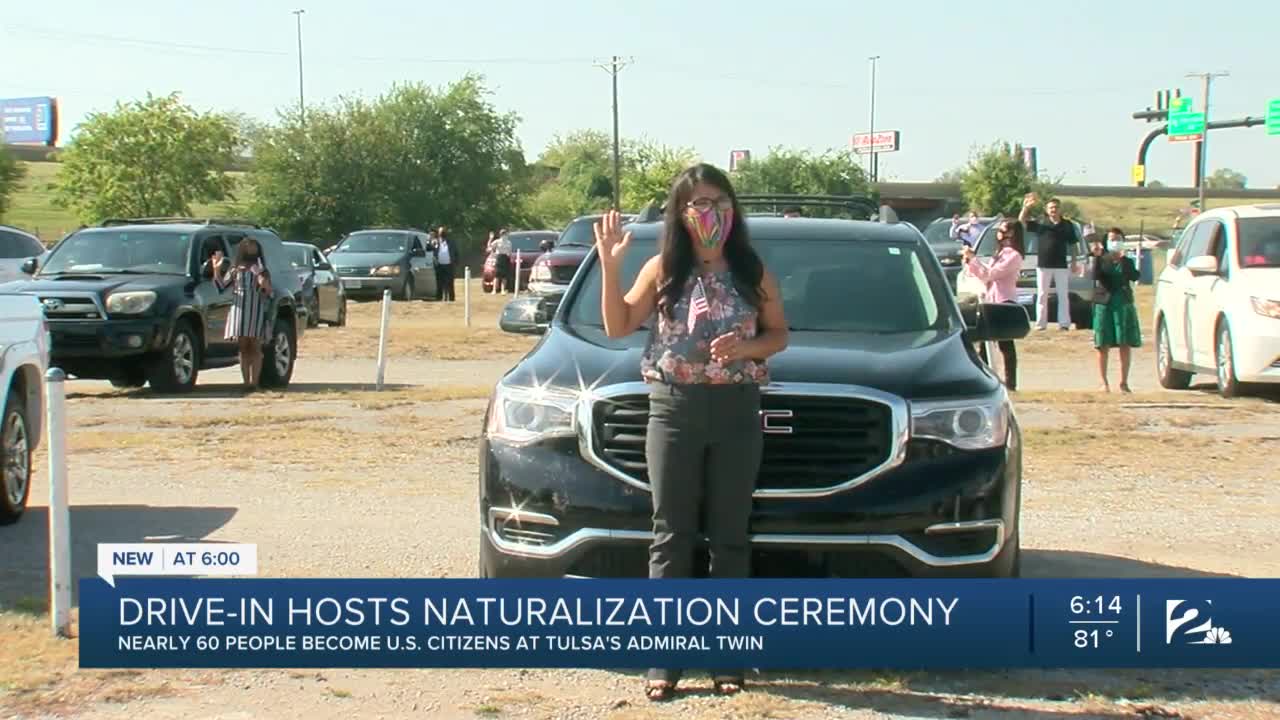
659, 690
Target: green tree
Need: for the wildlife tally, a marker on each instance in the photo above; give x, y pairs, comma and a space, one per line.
650, 170
996, 180
1155, 184
1226, 179
786, 171
11, 175
416, 156
150, 157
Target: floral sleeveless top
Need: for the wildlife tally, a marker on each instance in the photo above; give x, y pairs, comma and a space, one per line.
679, 348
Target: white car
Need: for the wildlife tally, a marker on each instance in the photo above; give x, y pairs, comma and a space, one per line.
24, 357
16, 247
1218, 301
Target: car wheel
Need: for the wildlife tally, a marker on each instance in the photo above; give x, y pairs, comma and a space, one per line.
1170, 377
342, 314
15, 460
407, 293
1228, 385
313, 309
176, 369
279, 356
131, 377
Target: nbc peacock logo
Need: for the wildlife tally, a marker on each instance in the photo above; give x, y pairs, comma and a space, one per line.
1187, 622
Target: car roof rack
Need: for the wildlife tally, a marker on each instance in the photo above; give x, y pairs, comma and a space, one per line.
860, 206
236, 222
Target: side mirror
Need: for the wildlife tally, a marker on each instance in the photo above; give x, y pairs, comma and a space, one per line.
29, 265
1203, 265
523, 316
992, 322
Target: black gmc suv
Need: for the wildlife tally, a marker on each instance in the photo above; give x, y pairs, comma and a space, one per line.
131, 301
890, 448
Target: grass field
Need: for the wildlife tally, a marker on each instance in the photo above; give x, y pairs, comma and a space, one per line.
33, 208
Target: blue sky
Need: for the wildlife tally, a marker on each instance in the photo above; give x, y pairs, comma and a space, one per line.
713, 76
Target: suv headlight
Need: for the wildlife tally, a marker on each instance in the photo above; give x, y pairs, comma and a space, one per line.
387, 270
523, 415
541, 272
966, 424
1265, 307
130, 303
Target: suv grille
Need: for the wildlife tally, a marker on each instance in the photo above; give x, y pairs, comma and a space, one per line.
833, 439
58, 307
354, 271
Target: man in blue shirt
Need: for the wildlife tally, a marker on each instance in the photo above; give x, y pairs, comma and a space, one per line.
967, 232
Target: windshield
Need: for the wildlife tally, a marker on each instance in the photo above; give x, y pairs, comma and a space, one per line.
14, 245
108, 251
580, 232
1259, 241
939, 233
298, 255
374, 243
827, 286
529, 242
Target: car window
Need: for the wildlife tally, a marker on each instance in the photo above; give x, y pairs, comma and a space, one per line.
372, 242
528, 242
827, 286
1258, 239
579, 232
315, 258
1198, 245
1218, 244
298, 256
109, 250
17, 245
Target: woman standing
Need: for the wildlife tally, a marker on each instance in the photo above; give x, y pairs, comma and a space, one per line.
1115, 316
502, 266
247, 322
719, 318
1001, 278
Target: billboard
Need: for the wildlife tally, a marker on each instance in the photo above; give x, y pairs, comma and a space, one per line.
29, 121
737, 158
878, 142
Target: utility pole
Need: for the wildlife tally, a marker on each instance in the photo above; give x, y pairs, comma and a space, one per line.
875, 160
613, 68
1202, 145
302, 104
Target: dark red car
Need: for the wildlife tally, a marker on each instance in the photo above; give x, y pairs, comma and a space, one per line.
529, 244
553, 271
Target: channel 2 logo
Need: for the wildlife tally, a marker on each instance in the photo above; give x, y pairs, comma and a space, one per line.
1191, 623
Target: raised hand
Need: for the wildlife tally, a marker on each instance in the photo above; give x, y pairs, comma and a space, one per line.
611, 241
1029, 200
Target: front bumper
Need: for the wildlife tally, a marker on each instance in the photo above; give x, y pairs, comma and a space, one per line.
547, 513
372, 285
110, 339
1255, 344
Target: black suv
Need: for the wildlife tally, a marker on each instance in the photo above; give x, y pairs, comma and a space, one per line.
132, 302
890, 448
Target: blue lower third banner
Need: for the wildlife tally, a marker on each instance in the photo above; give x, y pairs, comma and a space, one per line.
765, 624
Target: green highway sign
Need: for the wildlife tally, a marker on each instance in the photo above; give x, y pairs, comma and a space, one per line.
1273, 117
1179, 105
1184, 124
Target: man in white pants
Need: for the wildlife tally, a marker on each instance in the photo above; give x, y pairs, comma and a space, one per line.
1057, 240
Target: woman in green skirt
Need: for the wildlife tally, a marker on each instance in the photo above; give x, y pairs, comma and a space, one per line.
1115, 316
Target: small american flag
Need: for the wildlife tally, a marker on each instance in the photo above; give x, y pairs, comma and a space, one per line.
698, 306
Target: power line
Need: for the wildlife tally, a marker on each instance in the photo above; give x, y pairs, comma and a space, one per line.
614, 67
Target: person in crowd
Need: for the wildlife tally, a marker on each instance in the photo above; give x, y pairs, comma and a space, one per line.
503, 266
1115, 315
248, 321
446, 259
719, 318
792, 212
969, 230
1057, 237
1001, 279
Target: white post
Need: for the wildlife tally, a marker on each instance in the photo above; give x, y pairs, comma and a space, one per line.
59, 512
382, 337
516, 284
466, 295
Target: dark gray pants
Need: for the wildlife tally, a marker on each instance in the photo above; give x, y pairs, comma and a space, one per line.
703, 450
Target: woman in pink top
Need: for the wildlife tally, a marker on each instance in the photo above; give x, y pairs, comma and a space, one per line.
1001, 278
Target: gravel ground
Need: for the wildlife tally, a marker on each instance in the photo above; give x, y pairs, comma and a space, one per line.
345, 486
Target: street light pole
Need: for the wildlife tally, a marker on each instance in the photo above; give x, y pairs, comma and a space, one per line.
302, 104
1202, 145
613, 68
875, 165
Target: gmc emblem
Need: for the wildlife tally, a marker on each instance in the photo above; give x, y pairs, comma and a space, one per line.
768, 422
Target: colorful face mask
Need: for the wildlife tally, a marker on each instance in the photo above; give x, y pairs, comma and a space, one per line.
710, 228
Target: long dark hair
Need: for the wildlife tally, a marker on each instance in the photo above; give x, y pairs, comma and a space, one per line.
242, 251
1015, 236
678, 258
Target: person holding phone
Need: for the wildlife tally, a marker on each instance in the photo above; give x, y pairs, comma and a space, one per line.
1115, 314
718, 320
1001, 280
248, 323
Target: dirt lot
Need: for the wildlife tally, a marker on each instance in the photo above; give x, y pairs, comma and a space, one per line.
1150, 484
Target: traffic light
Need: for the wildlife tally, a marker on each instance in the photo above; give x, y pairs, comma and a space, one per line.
1164, 100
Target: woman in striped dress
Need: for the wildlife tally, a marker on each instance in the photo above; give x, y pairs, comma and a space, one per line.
247, 323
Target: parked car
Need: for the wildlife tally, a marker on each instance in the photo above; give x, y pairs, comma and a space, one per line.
16, 247
132, 302
1217, 307
370, 261
531, 244
553, 271
322, 292
24, 356
938, 235
1079, 284
889, 448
